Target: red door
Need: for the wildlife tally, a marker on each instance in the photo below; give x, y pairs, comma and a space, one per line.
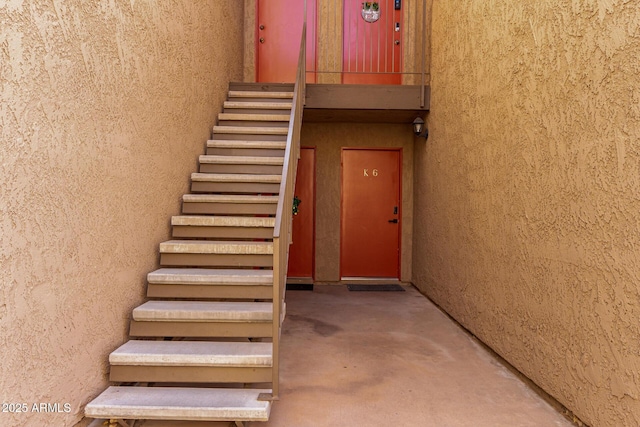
372, 52
370, 218
278, 39
301, 251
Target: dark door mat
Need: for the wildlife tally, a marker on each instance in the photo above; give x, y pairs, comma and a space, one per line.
375, 288
299, 286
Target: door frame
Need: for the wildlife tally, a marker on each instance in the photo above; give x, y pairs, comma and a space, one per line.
313, 221
399, 150
312, 32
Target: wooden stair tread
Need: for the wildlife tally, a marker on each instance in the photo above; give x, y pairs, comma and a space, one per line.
206, 276
254, 117
235, 177
192, 353
252, 130
241, 160
258, 105
232, 143
223, 221
180, 403
216, 247
259, 94
204, 311
228, 198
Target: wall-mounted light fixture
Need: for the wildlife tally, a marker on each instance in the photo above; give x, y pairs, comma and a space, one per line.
419, 129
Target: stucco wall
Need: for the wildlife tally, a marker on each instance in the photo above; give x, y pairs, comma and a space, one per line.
104, 108
527, 207
328, 138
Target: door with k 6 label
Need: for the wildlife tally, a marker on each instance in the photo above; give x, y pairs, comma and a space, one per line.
370, 213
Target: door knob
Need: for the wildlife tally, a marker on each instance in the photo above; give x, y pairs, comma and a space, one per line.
394, 221
397, 42
261, 39
262, 27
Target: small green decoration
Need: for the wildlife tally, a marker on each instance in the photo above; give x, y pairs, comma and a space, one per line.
371, 5
296, 202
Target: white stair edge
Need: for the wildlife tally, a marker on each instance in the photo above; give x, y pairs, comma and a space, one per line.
251, 130
241, 160
236, 177
205, 276
203, 311
223, 221
229, 198
179, 403
258, 105
260, 94
254, 117
216, 247
193, 353
235, 143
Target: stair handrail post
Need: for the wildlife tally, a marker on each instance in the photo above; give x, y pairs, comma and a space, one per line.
284, 212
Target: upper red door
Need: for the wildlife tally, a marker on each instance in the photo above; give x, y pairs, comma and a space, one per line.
372, 52
301, 251
370, 220
278, 39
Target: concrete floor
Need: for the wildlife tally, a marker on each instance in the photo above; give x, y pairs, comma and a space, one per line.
392, 359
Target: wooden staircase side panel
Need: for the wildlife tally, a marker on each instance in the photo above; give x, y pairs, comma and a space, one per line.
189, 374
201, 329
244, 292
213, 208
216, 260
247, 152
235, 187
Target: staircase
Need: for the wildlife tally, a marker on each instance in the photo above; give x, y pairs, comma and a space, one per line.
202, 348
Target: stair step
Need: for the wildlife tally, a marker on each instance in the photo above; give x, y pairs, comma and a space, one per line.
250, 130
204, 276
235, 177
260, 94
191, 362
212, 247
241, 160
223, 227
229, 204
242, 164
223, 221
254, 117
203, 311
245, 148
193, 353
225, 143
178, 403
258, 105
210, 283
204, 319
207, 253
235, 183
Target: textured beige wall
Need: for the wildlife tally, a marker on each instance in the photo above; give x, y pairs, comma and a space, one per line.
328, 138
527, 207
104, 108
